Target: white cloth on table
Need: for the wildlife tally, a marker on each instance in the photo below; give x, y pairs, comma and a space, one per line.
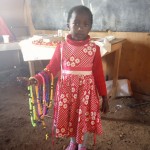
33, 52
104, 44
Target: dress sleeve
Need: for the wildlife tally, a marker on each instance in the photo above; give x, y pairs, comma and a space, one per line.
98, 73
53, 66
55, 62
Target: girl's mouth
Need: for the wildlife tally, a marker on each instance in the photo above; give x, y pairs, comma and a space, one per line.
80, 36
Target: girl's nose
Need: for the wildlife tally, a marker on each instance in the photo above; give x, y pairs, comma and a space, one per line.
80, 28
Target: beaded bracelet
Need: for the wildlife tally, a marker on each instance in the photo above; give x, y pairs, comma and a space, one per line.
35, 80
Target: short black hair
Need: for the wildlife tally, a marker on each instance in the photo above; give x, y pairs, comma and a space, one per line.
80, 8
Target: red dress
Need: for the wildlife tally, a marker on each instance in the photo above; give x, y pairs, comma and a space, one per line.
77, 106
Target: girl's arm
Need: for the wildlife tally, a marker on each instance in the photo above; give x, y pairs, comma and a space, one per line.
100, 80
55, 64
98, 73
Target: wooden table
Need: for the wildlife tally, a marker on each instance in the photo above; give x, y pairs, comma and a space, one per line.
116, 47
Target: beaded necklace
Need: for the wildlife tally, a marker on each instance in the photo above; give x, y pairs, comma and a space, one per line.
44, 97
39, 98
51, 90
45, 85
32, 109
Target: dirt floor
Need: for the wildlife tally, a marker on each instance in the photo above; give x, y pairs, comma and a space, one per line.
125, 128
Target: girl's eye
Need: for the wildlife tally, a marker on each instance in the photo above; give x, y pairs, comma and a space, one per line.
86, 25
76, 24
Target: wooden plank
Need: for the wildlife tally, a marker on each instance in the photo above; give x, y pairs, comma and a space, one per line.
141, 97
115, 47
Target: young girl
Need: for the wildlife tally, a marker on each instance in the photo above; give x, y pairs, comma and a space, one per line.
80, 83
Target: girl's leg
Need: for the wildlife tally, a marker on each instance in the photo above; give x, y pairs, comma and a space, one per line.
83, 145
73, 145
73, 139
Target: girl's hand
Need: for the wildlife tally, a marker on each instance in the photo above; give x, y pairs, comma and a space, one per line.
105, 105
26, 81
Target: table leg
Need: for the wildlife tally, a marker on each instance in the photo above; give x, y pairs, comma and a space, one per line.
115, 73
31, 68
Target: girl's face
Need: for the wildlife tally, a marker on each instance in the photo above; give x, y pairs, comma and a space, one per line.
79, 25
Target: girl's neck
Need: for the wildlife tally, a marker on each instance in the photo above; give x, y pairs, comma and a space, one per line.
77, 43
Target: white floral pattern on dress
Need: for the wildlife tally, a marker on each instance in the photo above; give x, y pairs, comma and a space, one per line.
71, 130
77, 60
65, 106
72, 61
68, 63
62, 130
57, 131
65, 100
73, 64
89, 49
71, 58
75, 96
92, 123
60, 103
